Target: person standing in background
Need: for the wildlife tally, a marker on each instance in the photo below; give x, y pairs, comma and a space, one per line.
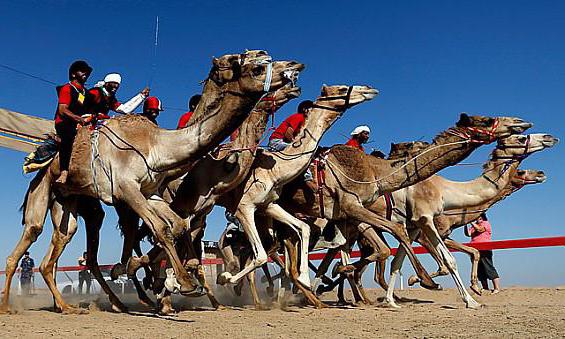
26, 273
481, 231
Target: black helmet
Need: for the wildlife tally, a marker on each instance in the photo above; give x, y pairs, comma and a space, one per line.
193, 102
79, 65
304, 105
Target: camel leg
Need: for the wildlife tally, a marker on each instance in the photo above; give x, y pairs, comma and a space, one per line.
362, 214
253, 288
294, 276
474, 255
64, 218
134, 199
246, 215
323, 269
35, 207
93, 215
128, 222
303, 230
433, 236
271, 288
395, 269
442, 268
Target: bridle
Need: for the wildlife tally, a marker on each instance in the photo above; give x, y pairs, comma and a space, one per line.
511, 159
346, 97
468, 133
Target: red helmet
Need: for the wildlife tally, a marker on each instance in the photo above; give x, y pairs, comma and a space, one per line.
152, 103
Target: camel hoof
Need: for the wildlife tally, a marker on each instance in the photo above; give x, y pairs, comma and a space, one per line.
224, 278
474, 305
73, 310
413, 280
119, 308
261, 307
321, 305
433, 286
476, 289
117, 270
4, 309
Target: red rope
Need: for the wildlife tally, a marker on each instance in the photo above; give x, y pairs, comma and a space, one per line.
490, 245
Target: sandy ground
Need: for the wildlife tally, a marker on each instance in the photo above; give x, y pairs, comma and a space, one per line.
515, 312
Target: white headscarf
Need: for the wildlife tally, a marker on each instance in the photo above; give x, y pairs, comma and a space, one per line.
360, 129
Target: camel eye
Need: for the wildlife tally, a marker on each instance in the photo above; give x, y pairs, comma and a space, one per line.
521, 172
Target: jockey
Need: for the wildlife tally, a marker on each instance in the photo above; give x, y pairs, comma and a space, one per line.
185, 118
151, 109
359, 136
71, 106
102, 98
284, 134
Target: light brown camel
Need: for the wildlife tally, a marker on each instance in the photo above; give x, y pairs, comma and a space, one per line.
194, 195
453, 219
274, 169
130, 159
355, 180
417, 205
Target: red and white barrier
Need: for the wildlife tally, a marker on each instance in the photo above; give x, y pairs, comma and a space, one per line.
490, 245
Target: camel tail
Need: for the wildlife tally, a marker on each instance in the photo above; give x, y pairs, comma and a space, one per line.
23, 207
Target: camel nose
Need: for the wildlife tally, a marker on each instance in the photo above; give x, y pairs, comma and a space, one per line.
541, 173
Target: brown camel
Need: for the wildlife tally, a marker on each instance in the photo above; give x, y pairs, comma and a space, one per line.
274, 169
130, 159
417, 205
355, 180
194, 195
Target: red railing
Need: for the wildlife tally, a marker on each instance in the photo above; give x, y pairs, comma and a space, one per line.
491, 245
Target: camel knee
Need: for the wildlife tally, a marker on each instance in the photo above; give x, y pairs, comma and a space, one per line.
261, 260
33, 231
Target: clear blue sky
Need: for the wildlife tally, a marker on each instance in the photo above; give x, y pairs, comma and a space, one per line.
430, 60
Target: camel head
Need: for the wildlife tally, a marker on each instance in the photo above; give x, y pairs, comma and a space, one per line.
342, 97
253, 72
527, 177
486, 129
274, 100
519, 146
406, 149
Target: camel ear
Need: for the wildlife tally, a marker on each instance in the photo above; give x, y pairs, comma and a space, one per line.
324, 90
464, 120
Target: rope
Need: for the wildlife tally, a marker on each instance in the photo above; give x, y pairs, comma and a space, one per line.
27, 74
398, 169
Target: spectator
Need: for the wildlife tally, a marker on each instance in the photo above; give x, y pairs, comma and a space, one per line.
83, 274
481, 231
26, 273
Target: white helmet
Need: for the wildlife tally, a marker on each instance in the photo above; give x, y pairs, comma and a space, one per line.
113, 77
361, 129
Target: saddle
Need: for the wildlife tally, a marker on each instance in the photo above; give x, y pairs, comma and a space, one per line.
43, 154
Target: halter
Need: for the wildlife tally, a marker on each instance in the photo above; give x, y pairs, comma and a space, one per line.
523, 183
511, 159
467, 133
517, 156
345, 97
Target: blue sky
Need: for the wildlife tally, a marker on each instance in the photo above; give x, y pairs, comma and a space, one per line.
429, 59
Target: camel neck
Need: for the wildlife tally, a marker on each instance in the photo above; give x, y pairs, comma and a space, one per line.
299, 154
460, 217
446, 150
220, 112
495, 177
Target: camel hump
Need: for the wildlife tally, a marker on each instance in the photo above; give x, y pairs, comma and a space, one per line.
355, 164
